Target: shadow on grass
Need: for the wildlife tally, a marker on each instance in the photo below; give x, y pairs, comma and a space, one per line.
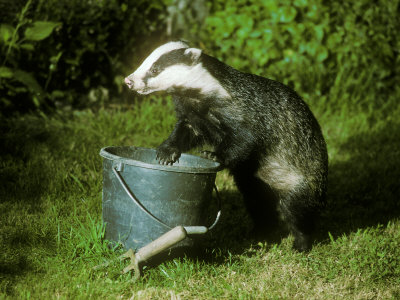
24, 173
24, 180
364, 190
233, 235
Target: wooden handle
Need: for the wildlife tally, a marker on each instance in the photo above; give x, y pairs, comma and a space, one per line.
165, 241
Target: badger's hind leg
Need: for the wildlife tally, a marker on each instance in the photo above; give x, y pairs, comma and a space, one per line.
295, 200
300, 218
261, 204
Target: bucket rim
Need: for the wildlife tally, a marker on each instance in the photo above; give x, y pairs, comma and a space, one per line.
104, 152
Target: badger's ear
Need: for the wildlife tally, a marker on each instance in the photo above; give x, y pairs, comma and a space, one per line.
194, 54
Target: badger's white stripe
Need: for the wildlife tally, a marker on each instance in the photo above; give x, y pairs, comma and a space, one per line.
188, 77
155, 55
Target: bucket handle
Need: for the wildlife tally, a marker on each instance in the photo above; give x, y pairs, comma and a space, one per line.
133, 197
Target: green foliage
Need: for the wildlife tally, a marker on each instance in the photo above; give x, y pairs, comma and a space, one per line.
14, 45
39, 31
58, 52
328, 51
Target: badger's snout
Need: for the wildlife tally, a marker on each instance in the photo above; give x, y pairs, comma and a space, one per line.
129, 83
135, 83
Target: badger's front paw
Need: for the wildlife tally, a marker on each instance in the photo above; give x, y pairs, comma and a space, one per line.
167, 155
209, 155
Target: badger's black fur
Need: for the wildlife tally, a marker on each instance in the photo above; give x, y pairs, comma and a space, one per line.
261, 130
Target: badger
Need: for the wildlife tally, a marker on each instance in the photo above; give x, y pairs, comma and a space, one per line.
260, 130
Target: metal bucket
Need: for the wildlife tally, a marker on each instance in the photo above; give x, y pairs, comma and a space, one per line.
143, 200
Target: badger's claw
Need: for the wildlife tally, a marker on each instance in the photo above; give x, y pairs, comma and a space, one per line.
208, 154
167, 155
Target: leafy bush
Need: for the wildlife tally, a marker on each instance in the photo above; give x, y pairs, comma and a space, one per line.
325, 49
344, 54
79, 46
13, 42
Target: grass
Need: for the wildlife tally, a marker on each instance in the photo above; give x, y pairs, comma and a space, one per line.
52, 235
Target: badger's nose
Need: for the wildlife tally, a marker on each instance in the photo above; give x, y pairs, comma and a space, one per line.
128, 82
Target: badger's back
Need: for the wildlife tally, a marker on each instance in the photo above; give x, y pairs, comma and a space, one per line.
270, 106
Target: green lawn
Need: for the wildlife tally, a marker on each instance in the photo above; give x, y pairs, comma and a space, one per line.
52, 236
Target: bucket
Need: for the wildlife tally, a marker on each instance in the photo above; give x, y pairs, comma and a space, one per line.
142, 199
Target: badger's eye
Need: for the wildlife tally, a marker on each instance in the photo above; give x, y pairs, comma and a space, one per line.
154, 71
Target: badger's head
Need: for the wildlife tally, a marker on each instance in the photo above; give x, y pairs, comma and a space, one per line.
171, 67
